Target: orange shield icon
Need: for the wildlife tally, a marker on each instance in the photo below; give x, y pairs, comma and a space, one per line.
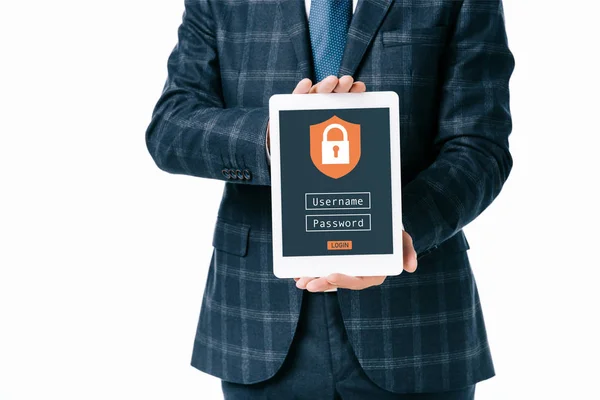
335, 146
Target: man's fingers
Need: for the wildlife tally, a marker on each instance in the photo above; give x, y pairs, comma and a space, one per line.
408, 250
344, 84
358, 87
331, 84
326, 85
303, 87
410, 265
345, 281
333, 281
354, 282
302, 282
319, 285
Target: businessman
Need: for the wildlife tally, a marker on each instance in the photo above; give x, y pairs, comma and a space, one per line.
419, 335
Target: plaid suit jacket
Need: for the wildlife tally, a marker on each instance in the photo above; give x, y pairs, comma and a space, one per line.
449, 62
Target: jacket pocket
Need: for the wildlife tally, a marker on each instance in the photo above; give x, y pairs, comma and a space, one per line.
231, 237
422, 36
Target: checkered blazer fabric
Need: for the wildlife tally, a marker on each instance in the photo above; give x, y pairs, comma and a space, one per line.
449, 63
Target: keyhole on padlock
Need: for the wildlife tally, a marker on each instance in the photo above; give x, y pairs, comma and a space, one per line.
336, 149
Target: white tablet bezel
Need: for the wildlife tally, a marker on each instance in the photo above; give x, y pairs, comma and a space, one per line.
355, 265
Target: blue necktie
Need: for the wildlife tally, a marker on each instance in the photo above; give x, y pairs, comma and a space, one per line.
328, 25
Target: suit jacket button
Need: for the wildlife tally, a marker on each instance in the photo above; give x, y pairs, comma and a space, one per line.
225, 173
239, 174
247, 175
232, 174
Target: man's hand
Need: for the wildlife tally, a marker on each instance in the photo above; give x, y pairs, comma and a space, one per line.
358, 282
331, 84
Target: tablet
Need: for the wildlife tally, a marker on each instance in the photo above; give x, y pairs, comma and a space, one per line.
336, 191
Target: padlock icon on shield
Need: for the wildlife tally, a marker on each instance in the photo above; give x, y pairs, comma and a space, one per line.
335, 151
335, 158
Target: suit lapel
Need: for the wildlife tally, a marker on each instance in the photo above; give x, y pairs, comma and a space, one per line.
367, 18
296, 26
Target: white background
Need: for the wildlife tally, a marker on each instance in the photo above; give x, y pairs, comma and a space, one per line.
103, 257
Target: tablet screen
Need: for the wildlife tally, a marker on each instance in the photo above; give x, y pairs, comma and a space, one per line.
336, 191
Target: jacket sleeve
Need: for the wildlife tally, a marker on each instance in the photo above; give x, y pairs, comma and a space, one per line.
191, 131
473, 159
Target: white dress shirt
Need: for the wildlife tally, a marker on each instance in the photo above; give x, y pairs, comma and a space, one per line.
307, 5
